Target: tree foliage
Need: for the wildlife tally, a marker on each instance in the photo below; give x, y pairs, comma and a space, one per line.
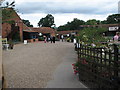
92, 22
48, 21
73, 25
92, 35
27, 22
113, 19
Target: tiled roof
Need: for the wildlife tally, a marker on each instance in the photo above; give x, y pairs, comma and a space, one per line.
14, 16
25, 27
29, 31
43, 30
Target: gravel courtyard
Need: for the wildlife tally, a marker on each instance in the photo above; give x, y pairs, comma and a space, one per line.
32, 65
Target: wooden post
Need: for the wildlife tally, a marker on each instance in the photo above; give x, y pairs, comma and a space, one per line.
116, 60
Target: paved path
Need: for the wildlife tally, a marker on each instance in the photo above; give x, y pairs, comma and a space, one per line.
40, 65
63, 76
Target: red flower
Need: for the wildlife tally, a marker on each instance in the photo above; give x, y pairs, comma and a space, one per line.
74, 67
76, 71
73, 64
84, 62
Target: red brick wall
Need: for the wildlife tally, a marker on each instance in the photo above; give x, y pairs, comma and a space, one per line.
6, 29
20, 24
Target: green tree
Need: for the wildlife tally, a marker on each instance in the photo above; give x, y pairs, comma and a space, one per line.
73, 25
61, 28
48, 21
113, 19
92, 35
93, 22
27, 22
104, 22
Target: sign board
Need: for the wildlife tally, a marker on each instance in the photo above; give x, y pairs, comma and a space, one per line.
73, 33
113, 28
25, 41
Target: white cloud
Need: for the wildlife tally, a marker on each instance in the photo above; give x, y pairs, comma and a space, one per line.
61, 19
68, 7
65, 10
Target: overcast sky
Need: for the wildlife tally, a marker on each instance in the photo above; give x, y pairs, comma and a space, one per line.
65, 10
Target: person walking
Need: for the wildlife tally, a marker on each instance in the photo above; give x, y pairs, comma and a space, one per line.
116, 37
53, 39
62, 37
45, 39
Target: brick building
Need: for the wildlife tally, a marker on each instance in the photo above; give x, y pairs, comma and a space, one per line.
33, 33
9, 30
22, 32
45, 30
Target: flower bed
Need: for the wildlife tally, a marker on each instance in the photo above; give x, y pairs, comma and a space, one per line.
75, 67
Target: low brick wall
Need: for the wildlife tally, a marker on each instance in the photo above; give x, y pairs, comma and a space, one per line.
32, 40
36, 40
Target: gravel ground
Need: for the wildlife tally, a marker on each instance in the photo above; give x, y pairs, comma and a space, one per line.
32, 65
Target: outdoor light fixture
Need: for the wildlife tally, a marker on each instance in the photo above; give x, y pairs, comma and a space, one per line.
40, 34
68, 35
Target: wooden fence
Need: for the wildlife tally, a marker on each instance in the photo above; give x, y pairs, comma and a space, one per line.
99, 67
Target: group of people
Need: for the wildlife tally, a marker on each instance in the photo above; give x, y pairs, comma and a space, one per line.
116, 37
47, 39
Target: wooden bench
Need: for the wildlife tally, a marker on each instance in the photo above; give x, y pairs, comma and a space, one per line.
5, 44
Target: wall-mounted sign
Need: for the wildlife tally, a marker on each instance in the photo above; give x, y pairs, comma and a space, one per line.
113, 28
